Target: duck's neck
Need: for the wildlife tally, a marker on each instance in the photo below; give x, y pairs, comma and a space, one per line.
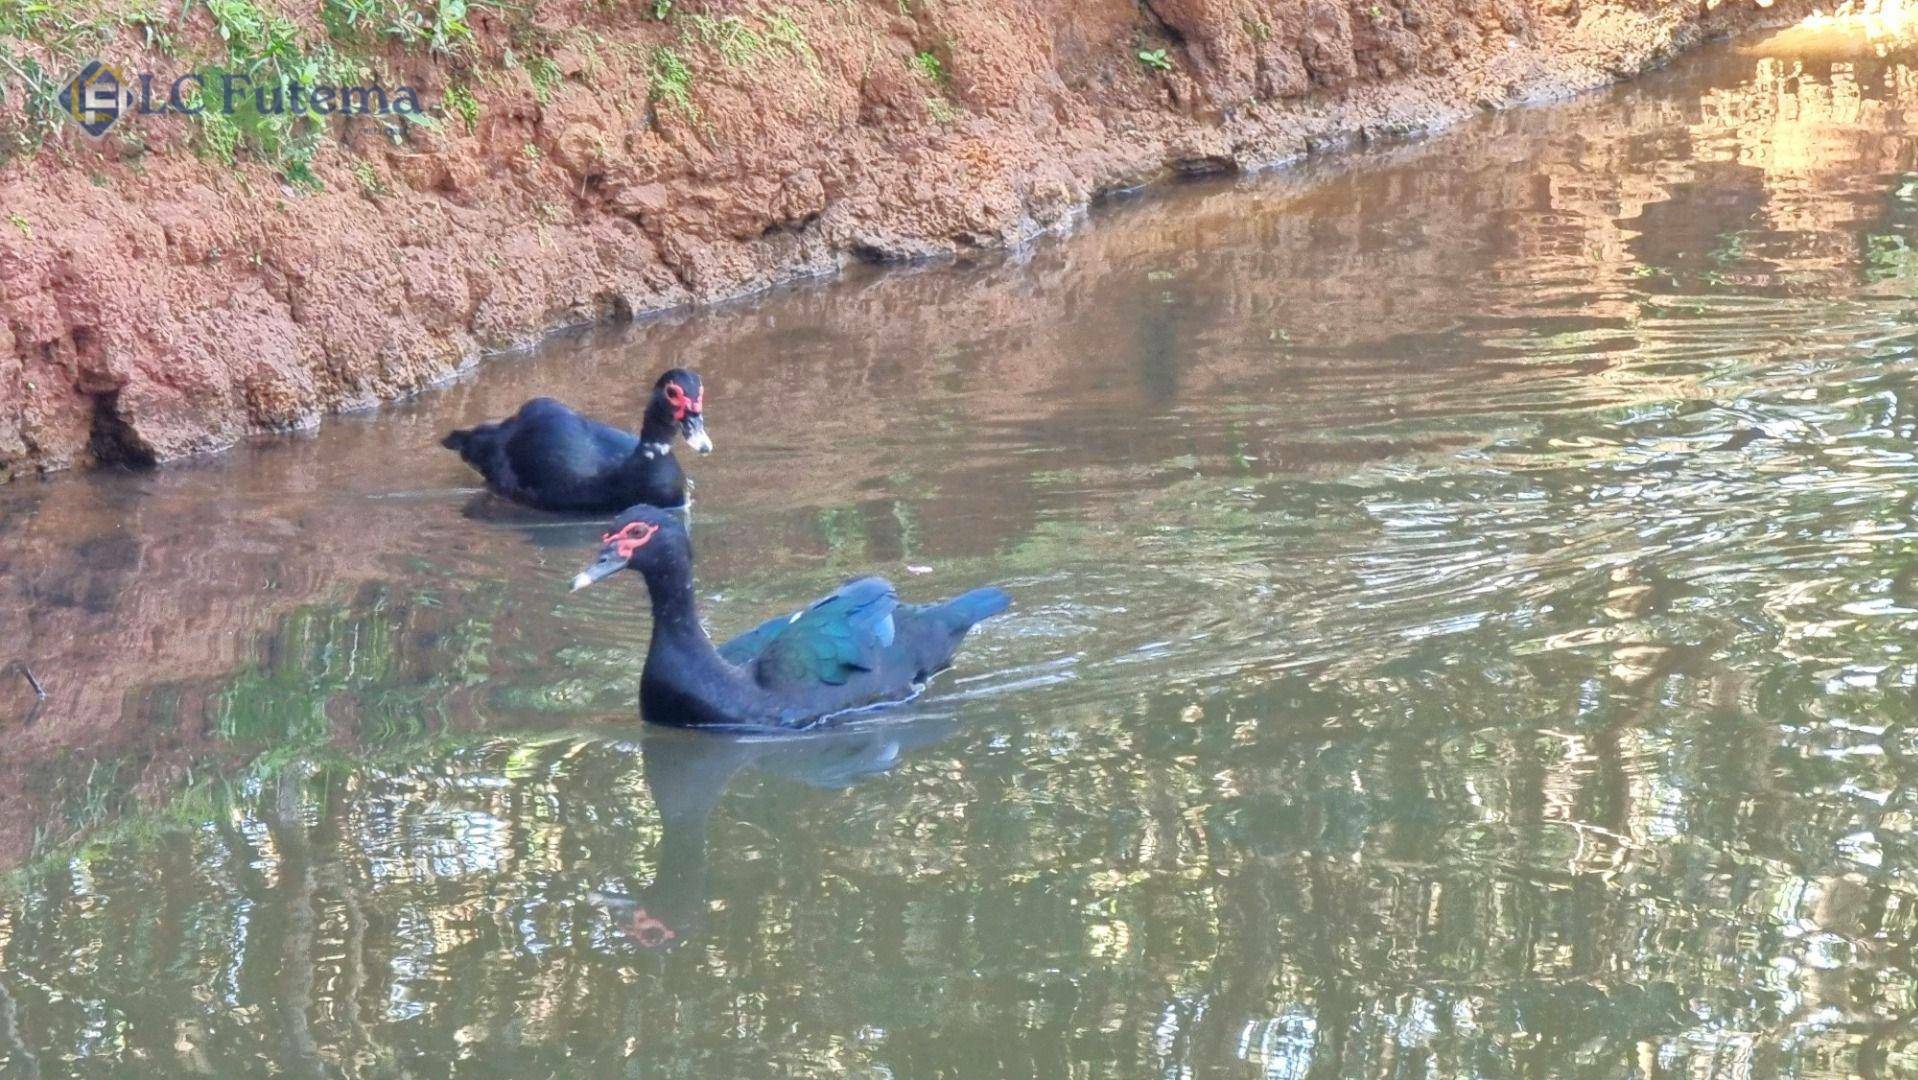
684, 674
675, 613
655, 437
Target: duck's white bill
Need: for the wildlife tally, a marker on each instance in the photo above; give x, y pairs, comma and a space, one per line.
606, 567
696, 436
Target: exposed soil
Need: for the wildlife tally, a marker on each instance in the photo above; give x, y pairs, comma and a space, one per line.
153, 304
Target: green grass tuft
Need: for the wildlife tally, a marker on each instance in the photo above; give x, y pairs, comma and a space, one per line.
545, 75
369, 180
673, 81
928, 65
464, 105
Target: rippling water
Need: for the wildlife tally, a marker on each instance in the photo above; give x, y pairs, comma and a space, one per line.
1467, 624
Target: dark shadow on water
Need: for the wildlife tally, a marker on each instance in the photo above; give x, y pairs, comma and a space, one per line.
687, 772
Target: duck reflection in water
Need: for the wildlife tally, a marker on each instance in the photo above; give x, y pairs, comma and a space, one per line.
688, 771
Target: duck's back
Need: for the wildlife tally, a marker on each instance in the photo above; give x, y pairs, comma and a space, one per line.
857, 647
550, 457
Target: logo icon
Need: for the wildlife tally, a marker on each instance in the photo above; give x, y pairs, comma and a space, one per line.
93, 98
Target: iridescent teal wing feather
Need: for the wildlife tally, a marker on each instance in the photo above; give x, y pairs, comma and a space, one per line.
829, 642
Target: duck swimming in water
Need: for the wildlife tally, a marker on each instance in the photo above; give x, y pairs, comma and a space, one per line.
856, 648
549, 457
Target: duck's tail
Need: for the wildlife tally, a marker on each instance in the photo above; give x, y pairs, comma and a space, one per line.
465, 441
962, 612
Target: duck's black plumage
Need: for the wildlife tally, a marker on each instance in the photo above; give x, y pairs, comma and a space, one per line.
855, 648
551, 458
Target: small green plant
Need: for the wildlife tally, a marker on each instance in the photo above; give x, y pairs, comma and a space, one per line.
41, 96
248, 30
464, 105
398, 129
450, 28
673, 81
346, 18
781, 29
738, 43
1156, 59
442, 28
530, 154
19, 221
43, 42
661, 9
929, 67
544, 74
591, 64
219, 136
369, 180
269, 50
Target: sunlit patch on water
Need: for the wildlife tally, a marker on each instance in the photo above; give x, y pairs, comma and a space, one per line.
1465, 603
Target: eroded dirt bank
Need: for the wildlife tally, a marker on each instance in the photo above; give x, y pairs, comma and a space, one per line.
597, 160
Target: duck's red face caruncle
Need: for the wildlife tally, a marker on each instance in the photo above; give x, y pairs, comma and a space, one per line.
618, 550
683, 403
657, 931
686, 397
650, 932
630, 539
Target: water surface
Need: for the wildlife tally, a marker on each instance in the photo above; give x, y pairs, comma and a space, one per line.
1467, 625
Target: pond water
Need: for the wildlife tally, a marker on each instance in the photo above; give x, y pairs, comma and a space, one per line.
1466, 623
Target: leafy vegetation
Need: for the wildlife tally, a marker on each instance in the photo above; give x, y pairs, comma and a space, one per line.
672, 81
744, 40
782, 30
441, 27
544, 74
738, 43
928, 65
68, 34
464, 105
369, 180
255, 56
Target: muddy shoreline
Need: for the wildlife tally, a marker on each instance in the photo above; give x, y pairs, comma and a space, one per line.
155, 304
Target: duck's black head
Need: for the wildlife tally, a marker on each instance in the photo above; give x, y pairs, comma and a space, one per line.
677, 407
643, 538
